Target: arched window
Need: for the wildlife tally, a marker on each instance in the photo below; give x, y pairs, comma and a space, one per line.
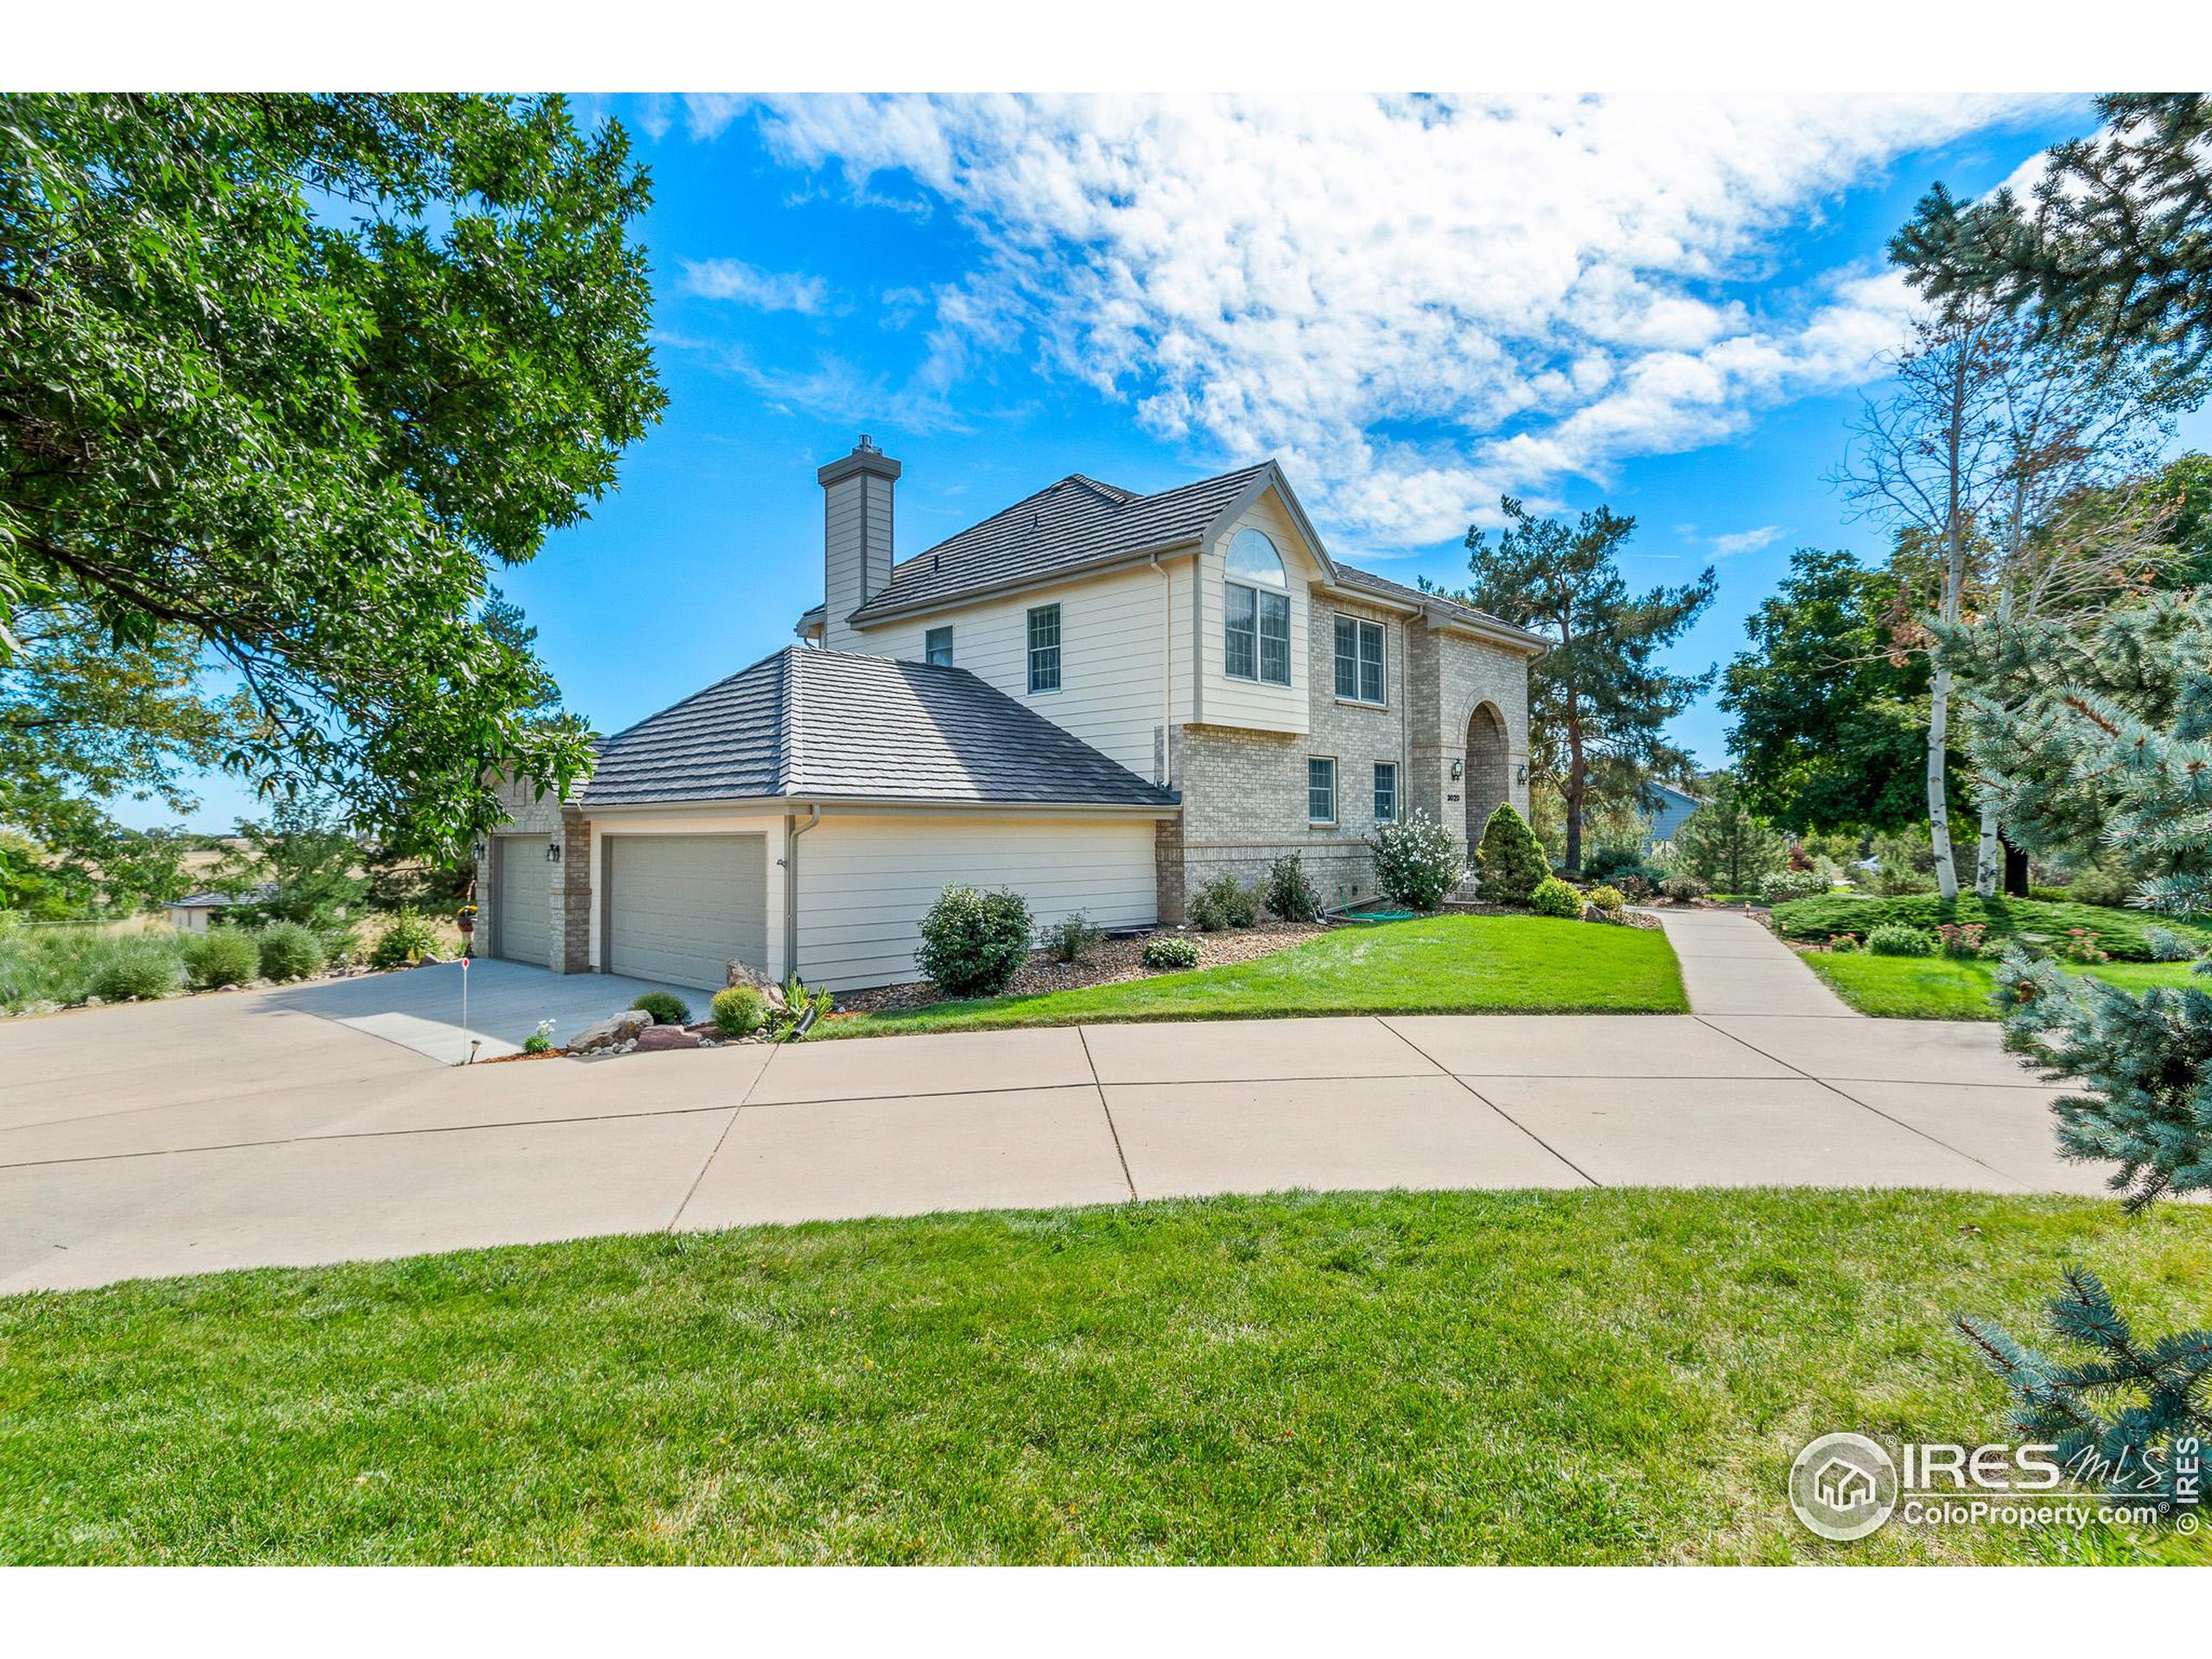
1256, 612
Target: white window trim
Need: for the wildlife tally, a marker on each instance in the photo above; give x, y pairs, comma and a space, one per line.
1336, 793
1059, 651
1383, 630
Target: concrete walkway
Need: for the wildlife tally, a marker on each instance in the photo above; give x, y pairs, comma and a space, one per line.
235, 1130
1732, 965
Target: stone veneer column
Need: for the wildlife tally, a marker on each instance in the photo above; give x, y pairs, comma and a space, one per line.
571, 895
1168, 868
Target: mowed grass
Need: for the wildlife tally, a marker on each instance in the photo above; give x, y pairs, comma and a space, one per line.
1941, 987
1437, 964
1590, 1376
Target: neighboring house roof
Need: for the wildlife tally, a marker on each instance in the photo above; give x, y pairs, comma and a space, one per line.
217, 901
806, 724
1080, 524
1681, 795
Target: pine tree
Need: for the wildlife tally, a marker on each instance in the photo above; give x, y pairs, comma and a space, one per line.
2159, 1395
1511, 857
1725, 844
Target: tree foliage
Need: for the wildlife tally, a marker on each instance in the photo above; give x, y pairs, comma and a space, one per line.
2112, 249
1830, 716
1599, 698
1725, 844
285, 377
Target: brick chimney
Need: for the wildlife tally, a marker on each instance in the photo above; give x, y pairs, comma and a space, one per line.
855, 536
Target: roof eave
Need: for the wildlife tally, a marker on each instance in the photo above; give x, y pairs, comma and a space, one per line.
868, 616
832, 803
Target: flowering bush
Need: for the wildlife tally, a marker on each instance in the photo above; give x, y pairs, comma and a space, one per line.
1960, 940
1417, 862
1171, 952
2082, 946
1845, 944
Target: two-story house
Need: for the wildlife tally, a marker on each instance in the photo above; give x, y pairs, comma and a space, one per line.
1097, 698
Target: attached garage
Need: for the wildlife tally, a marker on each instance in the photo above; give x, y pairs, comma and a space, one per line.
522, 919
680, 908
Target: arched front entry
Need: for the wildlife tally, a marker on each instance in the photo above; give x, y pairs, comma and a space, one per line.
1489, 782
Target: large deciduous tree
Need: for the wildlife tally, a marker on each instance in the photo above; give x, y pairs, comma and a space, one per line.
1598, 698
285, 379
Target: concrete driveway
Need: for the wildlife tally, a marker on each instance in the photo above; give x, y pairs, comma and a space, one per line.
238, 1130
422, 1007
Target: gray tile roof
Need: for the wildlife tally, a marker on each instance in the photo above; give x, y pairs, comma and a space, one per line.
1351, 576
810, 724
1065, 526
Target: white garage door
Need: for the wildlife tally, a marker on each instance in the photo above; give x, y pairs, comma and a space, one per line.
519, 904
680, 907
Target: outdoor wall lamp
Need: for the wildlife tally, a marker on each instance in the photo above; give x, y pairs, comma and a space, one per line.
1458, 769
552, 851
1521, 773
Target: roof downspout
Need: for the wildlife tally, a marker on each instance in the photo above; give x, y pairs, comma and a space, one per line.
1167, 780
792, 830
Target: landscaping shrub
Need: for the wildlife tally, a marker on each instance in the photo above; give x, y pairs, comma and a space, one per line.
2081, 944
1290, 895
1637, 887
289, 950
1553, 897
1171, 951
1683, 888
2122, 934
740, 1011
1895, 939
221, 955
1784, 884
1961, 940
1071, 940
1728, 846
1225, 902
2166, 945
1845, 944
131, 968
666, 1007
339, 945
541, 1040
1511, 858
974, 943
1610, 899
409, 937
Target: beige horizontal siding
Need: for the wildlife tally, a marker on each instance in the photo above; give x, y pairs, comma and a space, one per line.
864, 883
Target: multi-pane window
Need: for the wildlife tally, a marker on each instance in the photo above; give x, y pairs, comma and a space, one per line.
1360, 676
1256, 612
1386, 792
1045, 648
1320, 790
937, 647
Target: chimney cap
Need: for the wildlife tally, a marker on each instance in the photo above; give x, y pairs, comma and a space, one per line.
864, 457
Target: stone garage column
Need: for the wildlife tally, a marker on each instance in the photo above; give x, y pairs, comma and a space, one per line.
570, 896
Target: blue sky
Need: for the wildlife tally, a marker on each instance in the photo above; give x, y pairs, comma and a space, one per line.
1670, 308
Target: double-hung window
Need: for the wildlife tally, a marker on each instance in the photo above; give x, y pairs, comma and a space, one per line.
1320, 790
937, 647
1045, 648
1360, 675
1256, 612
1386, 792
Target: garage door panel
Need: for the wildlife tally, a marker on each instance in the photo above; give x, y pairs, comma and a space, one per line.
680, 907
522, 906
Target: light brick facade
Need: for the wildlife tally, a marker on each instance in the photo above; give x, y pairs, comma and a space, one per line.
568, 881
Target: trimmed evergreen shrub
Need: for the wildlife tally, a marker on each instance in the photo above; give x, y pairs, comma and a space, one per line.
1895, 939
221, 955
131, 968
289, 950
1610, 899
1416, 862
1171, 952
1225, 902
666, 1007
1511, 858
1554, 897
974, 943
740, 1011
1290, 895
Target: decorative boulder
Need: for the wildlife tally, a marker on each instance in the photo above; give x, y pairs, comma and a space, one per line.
666, 1037
611, 1033
744, 972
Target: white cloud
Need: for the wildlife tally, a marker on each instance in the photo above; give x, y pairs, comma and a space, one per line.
1745, 540
764, 290
1416, 304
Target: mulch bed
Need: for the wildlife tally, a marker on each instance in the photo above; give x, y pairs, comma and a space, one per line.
1113, 960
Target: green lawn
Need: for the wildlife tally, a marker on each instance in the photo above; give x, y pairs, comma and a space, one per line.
1939, 987
2124, 933
1589, 1376
1440, 964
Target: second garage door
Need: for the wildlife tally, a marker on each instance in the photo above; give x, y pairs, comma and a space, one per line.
680, 907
